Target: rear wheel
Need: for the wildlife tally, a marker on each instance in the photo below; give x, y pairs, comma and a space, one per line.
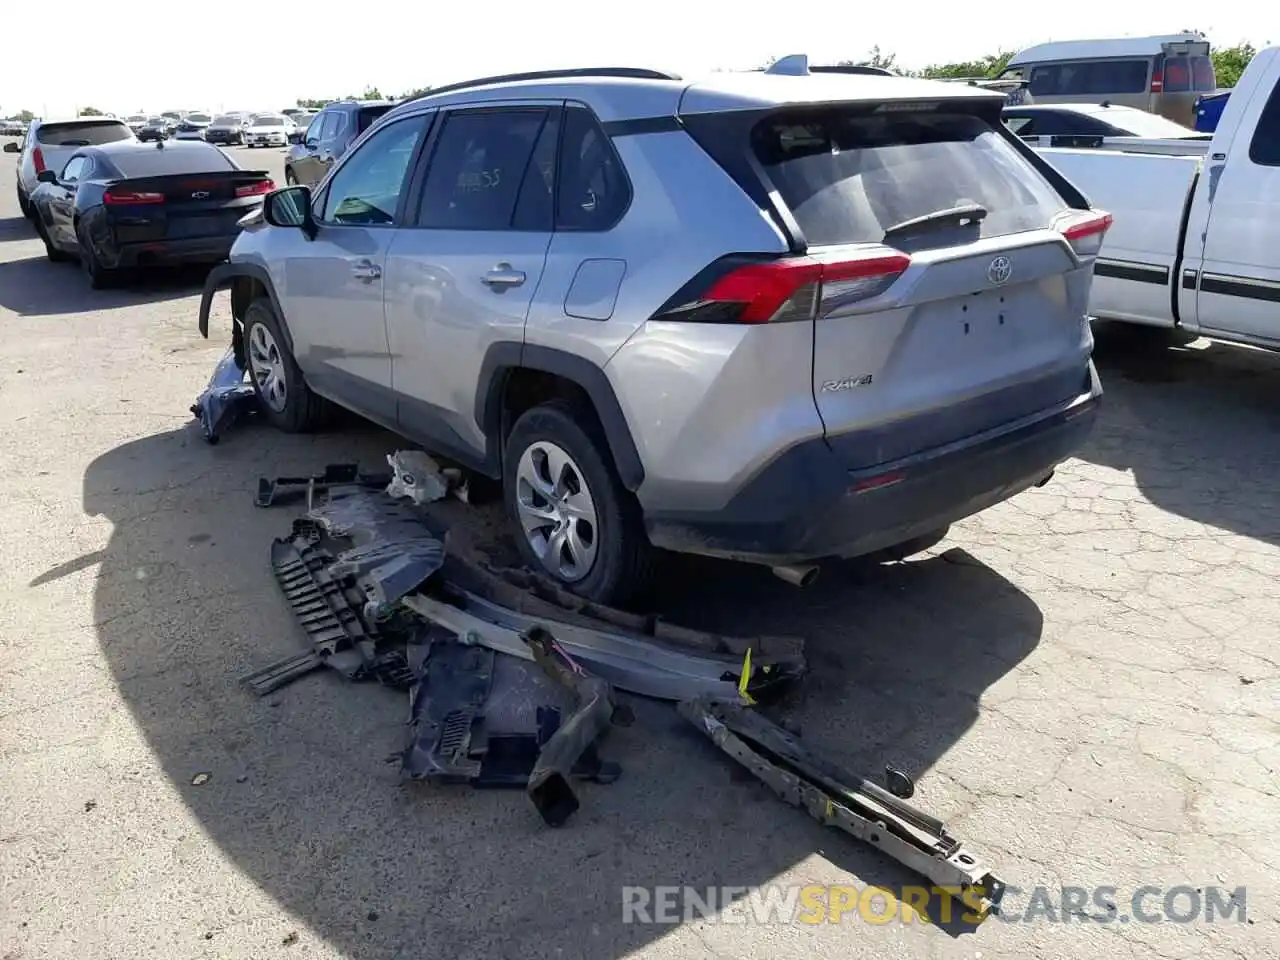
289, 178
285, 398
574, 521
24, 205
100, 277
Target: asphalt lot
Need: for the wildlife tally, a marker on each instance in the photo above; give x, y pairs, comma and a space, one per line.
1085, 681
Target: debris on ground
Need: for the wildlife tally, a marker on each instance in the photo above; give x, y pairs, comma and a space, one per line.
846, 801
513, 681
228, 397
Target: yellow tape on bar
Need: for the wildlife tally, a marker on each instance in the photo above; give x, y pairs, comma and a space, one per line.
745, 679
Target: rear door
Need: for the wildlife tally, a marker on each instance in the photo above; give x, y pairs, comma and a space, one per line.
463, 276
935, 333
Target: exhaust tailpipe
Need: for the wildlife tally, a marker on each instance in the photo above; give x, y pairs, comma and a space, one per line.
798, 576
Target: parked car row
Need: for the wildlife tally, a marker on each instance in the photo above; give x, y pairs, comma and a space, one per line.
13, 127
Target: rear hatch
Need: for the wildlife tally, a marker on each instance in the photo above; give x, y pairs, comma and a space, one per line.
173, 197
946, 300
56, 142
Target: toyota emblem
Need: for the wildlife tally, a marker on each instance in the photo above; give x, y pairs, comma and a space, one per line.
204, 195
1000, 271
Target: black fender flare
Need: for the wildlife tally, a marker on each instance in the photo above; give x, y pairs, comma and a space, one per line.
227, 273
504, 357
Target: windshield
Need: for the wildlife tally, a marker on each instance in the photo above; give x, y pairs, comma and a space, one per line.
268, 121
137, 117
226, 119
82, 133
848, 177
197, 118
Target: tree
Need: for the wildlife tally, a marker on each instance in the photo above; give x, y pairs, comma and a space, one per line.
1229, 62
313, 104
415, 93
986, 66
90, 112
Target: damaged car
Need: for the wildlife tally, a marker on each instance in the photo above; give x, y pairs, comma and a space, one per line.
778, 317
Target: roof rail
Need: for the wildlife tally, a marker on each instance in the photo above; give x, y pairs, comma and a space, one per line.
628, 73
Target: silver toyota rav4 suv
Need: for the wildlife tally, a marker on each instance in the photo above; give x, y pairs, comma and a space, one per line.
777, 317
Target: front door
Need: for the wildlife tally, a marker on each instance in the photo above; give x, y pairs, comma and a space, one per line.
1234, 212
334, 283
462, 276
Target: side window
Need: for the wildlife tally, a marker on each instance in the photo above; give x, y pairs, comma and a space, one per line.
1117, 76
593, 191
477, 168
1264, 149
366, 189
1044, 81
334, 123
73, 170
314, 128
1021, 126
535, 207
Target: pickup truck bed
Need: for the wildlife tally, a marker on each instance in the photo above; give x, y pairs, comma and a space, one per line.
1195, 243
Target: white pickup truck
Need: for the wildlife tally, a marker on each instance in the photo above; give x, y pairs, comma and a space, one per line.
1195, 245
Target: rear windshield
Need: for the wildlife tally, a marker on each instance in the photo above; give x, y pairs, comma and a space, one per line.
153, 162
81, 134
366, 116
1189, 74
850, 177
198, 117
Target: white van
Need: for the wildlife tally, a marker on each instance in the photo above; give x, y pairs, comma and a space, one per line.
1165, 75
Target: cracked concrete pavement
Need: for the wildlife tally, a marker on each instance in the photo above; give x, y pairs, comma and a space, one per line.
1085, 681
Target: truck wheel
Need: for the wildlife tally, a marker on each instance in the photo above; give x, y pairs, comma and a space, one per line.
573, 518
283, 394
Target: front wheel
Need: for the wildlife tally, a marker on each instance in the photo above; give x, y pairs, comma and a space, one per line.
53, 253
283, 394
573, 519
289, 178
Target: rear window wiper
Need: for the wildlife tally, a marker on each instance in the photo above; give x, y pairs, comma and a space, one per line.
960, 216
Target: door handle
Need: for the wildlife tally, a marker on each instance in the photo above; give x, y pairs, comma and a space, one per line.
366, 270
502, 277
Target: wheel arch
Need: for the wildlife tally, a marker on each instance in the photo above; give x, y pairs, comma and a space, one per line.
504, 360
248, 282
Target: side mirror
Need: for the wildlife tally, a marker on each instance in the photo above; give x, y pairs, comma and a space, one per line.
312, 143
295, 137
12, 147
290, 207
47, 176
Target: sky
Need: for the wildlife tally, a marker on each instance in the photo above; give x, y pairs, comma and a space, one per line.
238, 55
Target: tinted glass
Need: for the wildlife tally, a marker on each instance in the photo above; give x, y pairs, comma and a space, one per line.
1203, 77
534, 205
366, 189
1265, 146
158, 163
594, 190
333, 124
477, 168
366, 115
198, 117
81, 134
848, 177
1022, 125
1089, 78
226, 119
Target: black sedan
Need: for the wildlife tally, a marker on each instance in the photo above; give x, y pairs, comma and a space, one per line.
130, 204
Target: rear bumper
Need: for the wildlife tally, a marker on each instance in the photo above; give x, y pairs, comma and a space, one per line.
223, 136
172, 252
807, 507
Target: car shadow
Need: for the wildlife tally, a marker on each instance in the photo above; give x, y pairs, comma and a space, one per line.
296, 789
16, 228
35, 287
1196, 425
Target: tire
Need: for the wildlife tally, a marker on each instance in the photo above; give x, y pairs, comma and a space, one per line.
53, 253
283, 395
100, 277
617, 565
289, 178
25, 206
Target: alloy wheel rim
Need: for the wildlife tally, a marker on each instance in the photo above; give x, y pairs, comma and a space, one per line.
557, 512
267, 367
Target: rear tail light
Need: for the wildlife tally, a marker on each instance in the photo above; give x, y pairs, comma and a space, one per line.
792, 288
37, 159
118, 196
1084, 230
258, 189
1157, 81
